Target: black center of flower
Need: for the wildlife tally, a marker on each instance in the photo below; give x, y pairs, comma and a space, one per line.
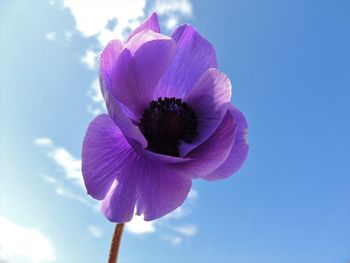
166, 123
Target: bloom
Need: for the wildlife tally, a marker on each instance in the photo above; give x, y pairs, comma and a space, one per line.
169, 121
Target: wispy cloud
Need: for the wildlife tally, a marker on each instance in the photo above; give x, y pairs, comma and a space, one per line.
174, 240
71, 168
64, 159
44, 141
62, 189
90, 59
95, 93
169, 7
97, 105
51, 36
187, 230
172, 11
93, 21
92, 17
179, 233
21, 244
139, 226
193, 195
95, 231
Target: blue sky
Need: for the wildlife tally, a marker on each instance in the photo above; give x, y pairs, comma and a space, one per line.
289, 63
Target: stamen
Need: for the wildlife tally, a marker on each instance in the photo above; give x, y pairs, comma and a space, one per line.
166, 123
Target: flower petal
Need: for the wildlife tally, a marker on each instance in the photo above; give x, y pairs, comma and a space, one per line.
194, 55
147, 36
139, 68
108, 59
238, 152
119, 204
210, 100
162, 157
127, 81
151, 23
161, 190
116, 112
147, 184
104, 151
208, 156
113, 69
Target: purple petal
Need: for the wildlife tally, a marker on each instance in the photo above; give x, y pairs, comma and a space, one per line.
150, 186
161, 190
146, 36
109, 58
128, 78
238, 152
210, 100
162, 157
113, 68
134, 80
113, 171
119, 204
208, 156
150, 61
194, 55
104, 151
151, 23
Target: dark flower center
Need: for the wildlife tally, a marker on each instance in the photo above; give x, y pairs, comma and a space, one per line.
166, 123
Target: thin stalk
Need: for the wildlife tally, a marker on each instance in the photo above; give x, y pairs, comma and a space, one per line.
115, 243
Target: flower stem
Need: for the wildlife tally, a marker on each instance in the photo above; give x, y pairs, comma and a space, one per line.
115, 243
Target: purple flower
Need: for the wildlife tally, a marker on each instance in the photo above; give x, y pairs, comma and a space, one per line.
169, 121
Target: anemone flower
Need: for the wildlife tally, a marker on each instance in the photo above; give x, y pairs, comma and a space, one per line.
169, 121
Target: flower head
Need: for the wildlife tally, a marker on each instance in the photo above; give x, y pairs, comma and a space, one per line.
169, 121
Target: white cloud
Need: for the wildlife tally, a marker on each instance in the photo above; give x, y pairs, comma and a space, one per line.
68, 35
50, 180
92, 16
180, 232
21, 244
43, 141
188, 230
70, 164
172, 10
51, 36
62, 190
138, 226
52, 2
71, 167
171, 22
174, 240
95, 231
95, 92
92, 19
90, 59
98, 105
64, 159
165, 7
193, 195
178, 213
94, 110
